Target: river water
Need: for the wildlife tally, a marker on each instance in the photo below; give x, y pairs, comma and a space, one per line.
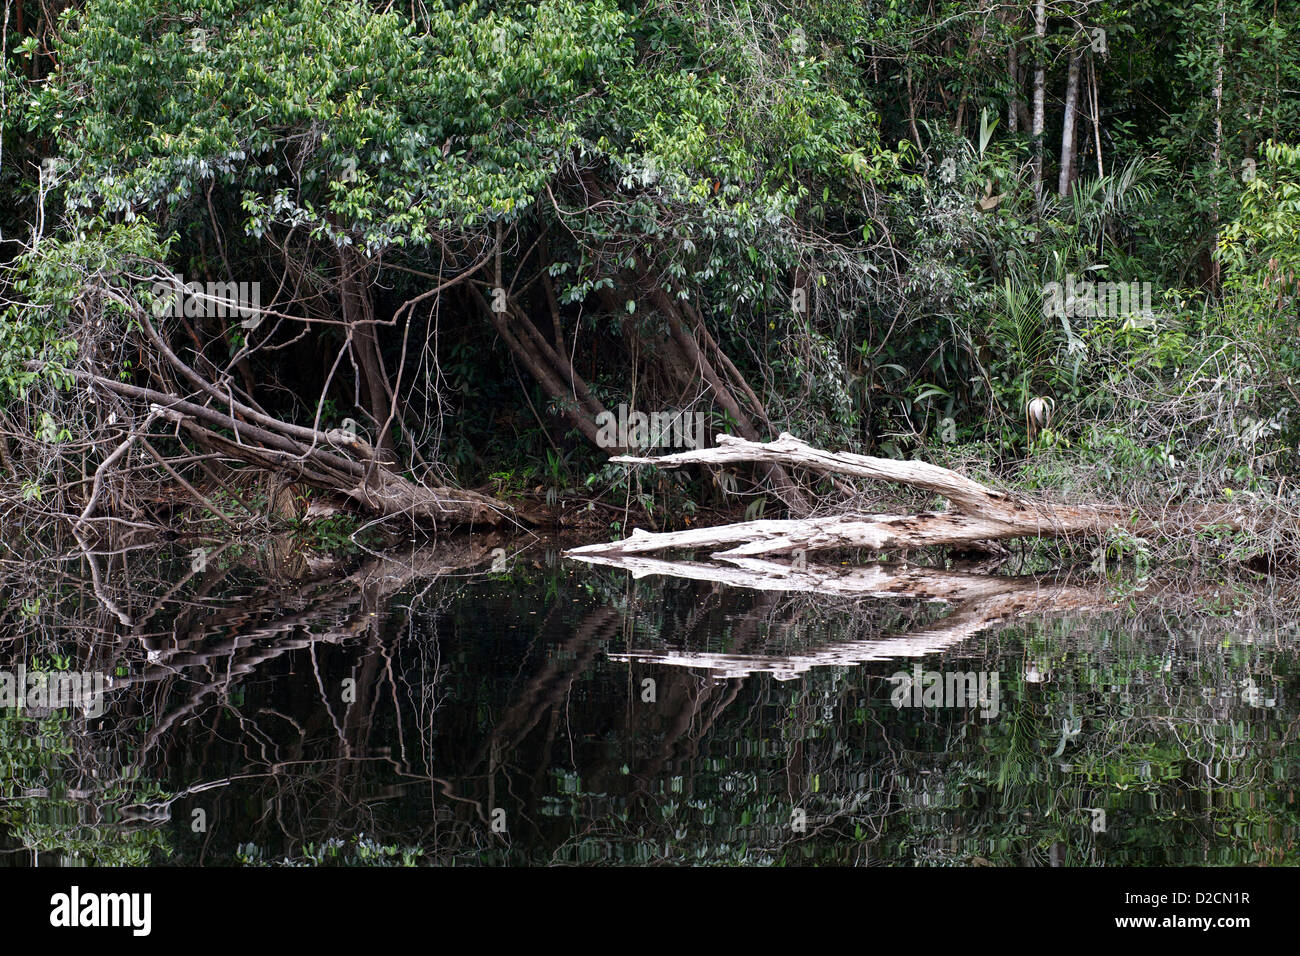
469, 706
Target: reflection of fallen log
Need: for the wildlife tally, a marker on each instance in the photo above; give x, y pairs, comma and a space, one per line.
979, 602
978, 514
871, 580
235, 642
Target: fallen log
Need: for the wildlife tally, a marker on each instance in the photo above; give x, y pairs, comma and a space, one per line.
329, 460
788, 536
978, 513
965, 493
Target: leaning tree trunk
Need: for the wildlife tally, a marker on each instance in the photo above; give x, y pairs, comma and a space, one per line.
217, 421
688, 357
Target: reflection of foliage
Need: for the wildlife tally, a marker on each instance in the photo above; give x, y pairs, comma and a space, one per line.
357, 850
488, 691
51, 806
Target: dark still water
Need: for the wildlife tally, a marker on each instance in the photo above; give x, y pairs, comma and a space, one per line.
260, 708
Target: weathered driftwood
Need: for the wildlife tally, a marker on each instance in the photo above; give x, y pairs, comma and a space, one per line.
966, 494
978, 513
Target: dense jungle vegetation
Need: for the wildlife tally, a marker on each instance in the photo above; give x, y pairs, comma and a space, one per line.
290, 287
476, 227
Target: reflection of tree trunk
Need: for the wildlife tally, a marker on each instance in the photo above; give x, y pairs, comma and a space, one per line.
359, 714
680, 697
259, 630
550, 685
683, 705
690, 710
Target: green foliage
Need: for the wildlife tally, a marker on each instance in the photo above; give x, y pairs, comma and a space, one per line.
636, 158
50, 282
348, 124
1262, 247
45, 796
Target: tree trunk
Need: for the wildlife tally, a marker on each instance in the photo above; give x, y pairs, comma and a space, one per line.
1013, 78
1040, 96
1096, 115
1218, 132
358, 315
553, 374
320, 459
1068, 145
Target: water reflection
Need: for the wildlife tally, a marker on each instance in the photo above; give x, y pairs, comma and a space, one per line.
426, 708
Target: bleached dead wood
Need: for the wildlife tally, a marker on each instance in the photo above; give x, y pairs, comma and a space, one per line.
979, 513
966, 494
785, 536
